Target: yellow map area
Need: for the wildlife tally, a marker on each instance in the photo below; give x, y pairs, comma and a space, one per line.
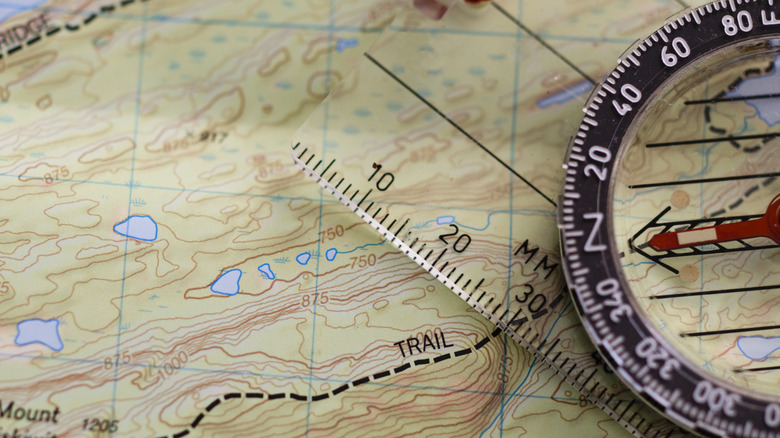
160, 254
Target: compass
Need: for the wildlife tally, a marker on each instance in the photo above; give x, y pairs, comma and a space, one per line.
669, 218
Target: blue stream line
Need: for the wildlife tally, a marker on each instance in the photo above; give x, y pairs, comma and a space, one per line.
530, 369
326, 108
533, 212
139, 87
362, 247
512, 146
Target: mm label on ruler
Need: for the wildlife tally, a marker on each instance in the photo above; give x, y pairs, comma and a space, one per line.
456, 161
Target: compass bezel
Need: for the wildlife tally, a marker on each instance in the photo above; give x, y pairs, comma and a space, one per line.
670, 382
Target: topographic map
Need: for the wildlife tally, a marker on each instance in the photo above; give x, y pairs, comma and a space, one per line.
165, 269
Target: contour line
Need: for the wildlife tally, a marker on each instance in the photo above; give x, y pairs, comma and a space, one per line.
333, 393
104, 10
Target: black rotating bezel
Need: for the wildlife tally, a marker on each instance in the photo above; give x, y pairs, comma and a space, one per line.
588, 250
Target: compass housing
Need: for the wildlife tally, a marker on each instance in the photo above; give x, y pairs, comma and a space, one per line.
604, 166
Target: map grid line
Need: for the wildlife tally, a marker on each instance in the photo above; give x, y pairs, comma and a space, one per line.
139, 85
328, 68
510, 252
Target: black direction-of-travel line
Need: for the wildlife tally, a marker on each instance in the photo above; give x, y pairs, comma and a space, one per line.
713, 140
48, 32
541, 41
748, 370
456, 126
705, 180
732, 99
714, 292
260, 396
730, 331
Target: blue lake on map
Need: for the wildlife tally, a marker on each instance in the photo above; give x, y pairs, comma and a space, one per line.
758, 347
40, 331
331, 254
565, 95
303, 258
768, 109
443, 220
138, 227
345, 43
265, 269
227, 283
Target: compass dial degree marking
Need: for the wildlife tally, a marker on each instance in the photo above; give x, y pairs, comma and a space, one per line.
697, 43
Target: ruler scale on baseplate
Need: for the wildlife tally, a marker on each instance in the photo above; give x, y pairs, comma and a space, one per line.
448, 142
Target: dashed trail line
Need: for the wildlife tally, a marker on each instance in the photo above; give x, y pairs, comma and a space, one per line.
70, 27
751, 72
261, 396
